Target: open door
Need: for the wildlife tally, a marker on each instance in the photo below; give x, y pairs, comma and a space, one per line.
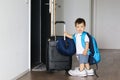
40, 31
35, 32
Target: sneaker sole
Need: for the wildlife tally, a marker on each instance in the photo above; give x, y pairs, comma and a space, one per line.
90, 74
83, 75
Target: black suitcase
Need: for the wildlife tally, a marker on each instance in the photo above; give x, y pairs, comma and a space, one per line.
55, 60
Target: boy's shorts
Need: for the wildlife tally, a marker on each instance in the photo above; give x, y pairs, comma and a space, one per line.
83, 59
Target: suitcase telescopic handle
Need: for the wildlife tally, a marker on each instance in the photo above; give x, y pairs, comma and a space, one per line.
63, 22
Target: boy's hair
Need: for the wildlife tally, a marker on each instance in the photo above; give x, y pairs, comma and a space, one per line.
79, 21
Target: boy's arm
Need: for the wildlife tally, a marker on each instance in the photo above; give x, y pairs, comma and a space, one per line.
68, 35
86, 48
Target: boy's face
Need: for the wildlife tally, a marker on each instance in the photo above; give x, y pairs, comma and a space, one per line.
80, 27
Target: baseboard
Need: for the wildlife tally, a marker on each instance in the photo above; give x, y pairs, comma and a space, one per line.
20, 75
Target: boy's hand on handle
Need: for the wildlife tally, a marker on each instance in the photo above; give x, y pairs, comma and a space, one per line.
68, 35
65, 33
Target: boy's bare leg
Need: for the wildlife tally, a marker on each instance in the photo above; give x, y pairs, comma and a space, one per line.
87, 66
88, 70
82, 66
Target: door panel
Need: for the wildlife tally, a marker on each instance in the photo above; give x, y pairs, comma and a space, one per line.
35, 32
106, 23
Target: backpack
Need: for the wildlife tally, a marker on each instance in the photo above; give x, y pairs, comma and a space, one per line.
93, 52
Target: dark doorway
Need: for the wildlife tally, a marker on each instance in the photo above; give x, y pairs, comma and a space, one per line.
40, 30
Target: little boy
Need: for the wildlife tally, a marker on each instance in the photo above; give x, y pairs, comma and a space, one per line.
81, 53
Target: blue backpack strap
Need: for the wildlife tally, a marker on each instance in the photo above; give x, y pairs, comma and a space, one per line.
83, 40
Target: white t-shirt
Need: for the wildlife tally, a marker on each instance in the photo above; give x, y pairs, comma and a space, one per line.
79, 47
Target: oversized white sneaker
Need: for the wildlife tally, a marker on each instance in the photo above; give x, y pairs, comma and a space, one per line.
77, 72
89, 72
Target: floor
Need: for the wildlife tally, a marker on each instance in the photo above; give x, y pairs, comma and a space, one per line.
109, 69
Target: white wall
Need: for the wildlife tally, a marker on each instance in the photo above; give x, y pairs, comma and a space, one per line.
73, 9
14, 38
107, 23
59, 16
